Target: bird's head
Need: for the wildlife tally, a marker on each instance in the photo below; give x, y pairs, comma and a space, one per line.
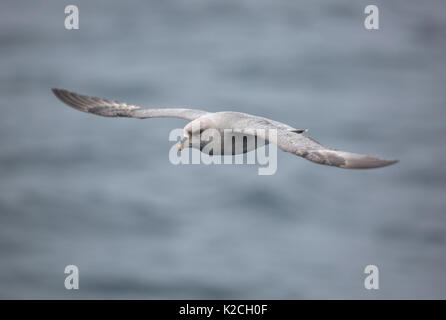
193, 131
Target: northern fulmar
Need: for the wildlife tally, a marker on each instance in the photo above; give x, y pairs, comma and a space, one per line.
287, 138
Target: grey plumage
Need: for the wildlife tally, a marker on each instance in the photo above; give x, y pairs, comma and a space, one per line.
288, 139
111, 108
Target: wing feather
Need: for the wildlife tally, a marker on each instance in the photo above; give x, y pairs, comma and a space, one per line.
111, 108
305, 147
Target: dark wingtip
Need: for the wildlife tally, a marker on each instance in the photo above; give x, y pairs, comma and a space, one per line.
390, 162
354, 161
57, 92
371, 163
71, 99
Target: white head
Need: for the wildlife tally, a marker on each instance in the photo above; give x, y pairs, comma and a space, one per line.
193, 132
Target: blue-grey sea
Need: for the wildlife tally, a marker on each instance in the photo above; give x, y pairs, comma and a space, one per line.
101, 193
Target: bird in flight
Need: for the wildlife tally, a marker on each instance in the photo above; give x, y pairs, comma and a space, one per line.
287, 138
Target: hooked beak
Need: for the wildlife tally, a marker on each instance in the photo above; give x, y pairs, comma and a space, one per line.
181, 144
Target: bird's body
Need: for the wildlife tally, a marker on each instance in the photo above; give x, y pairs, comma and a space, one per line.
228, 132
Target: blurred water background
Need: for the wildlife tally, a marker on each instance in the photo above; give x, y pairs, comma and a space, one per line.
101, 193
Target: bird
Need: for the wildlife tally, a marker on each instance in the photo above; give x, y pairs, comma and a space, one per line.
204, 126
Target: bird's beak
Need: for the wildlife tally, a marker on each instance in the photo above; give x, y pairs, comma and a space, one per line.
181, 144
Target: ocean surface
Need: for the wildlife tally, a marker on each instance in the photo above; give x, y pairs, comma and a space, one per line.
101, 194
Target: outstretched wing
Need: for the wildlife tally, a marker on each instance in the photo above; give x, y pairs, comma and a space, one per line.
309, 149
110, 108
303, 146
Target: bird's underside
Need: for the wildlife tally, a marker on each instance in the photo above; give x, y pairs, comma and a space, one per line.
286, 137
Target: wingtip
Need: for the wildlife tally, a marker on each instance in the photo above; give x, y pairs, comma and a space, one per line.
67, 97
390, 162
379, 163
356, 161
57, 91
